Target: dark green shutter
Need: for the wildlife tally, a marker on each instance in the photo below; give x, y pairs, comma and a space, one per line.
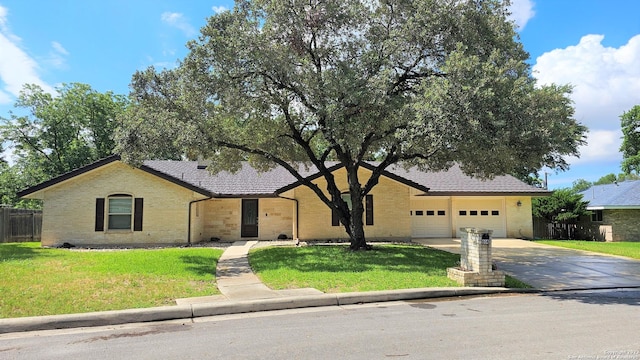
99, 214
368, 207
137, 214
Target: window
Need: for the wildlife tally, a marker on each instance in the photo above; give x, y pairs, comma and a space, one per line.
495, 213
596, 215
430, 212
441, 213
484, 212
419, 212
462, 213
120, 212
123, 212
368, 210
473, 212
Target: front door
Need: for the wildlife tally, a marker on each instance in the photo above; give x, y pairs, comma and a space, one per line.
249, 226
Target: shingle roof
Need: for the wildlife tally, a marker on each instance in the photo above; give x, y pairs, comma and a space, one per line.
454, 181
625, 194
249, 182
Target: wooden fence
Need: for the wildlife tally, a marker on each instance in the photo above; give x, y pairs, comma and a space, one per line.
583, 230
19, 225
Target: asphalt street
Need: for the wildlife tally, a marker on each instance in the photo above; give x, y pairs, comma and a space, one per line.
601, 324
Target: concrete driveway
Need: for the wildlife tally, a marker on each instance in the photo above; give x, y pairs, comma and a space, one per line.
552, 268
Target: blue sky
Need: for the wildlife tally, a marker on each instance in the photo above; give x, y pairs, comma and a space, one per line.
592, 44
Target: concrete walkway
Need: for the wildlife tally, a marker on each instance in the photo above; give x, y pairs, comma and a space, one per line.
548, 267
236, 280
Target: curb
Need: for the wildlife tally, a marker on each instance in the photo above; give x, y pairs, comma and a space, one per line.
118, 317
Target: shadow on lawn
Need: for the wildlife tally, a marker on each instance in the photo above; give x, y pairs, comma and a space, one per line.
200, 265
23, 251
340, 259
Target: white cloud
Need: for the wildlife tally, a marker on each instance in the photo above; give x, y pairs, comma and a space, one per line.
178, 21
521, 12
219, 9
16, 66
606, 83
602, 145
57, 55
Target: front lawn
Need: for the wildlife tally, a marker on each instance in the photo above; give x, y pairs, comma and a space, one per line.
37, 281
628, 249
334, 268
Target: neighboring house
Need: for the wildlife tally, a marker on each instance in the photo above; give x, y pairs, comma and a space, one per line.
109, 203
615, 208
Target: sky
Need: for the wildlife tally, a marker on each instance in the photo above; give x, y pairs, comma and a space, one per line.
594, 45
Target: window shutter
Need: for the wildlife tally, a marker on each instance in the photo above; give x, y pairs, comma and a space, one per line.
335, 219
368, 207
137, 214
99, 214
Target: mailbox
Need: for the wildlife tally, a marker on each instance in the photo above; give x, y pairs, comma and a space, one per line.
485, 239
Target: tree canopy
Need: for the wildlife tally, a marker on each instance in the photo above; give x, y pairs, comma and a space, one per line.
564, 206
56, 133
425, 83
630, 122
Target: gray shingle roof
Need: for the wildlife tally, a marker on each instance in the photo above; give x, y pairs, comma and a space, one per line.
454, 181
248, 181
625, 194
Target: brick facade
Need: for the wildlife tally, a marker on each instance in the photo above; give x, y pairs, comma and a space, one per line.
621, 224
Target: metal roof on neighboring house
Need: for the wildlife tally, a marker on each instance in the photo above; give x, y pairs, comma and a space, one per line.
622, 195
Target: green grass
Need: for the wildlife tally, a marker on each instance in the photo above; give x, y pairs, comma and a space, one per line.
336, 269
628, 249
37, 281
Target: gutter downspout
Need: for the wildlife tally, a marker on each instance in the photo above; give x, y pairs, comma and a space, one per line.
189, 219
297, 213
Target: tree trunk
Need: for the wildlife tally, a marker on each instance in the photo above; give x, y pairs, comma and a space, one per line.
356, 227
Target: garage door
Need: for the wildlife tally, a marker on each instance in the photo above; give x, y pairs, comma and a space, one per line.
481, 213
430, 218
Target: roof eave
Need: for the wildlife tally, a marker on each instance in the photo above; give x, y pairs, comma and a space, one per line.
66, 176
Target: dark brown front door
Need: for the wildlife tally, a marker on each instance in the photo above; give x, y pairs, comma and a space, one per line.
249, 218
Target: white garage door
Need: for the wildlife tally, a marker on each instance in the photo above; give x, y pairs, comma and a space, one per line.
430, 218
481, 213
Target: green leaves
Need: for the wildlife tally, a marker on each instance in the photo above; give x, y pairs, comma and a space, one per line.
422, 82
630, 122
564, 205
56, 134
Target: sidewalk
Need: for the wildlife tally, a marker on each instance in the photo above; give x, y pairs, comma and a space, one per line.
242, 292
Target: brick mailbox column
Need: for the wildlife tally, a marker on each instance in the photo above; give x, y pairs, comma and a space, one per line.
476, 267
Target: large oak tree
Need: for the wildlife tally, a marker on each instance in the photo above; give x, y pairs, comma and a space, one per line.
425, 83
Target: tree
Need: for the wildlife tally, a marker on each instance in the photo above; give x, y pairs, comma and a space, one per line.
60, 132
630, 122
564, 206
426, 83
581, 185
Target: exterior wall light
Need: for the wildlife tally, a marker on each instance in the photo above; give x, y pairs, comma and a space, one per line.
519, 203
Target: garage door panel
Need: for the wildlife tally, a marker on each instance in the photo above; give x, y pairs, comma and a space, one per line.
430, 218
483, 213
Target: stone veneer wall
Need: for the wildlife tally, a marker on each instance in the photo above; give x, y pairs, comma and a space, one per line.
625, 224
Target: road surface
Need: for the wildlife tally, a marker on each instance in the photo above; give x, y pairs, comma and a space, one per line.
602, 324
